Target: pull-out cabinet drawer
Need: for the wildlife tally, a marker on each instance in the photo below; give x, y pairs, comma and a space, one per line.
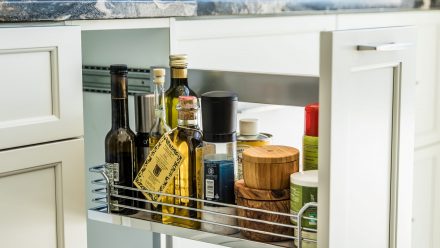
366, 88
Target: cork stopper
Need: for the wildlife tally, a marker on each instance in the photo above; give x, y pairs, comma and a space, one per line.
179, 60
249, 127
159, 76
187, 102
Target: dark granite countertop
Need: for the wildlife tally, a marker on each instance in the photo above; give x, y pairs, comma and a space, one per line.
59, 10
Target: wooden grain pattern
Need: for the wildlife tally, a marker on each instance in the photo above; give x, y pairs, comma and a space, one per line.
279, 206
241, 191
265, 176
270, 154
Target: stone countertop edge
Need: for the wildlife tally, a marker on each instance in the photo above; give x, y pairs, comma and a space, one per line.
63, 10
19, 11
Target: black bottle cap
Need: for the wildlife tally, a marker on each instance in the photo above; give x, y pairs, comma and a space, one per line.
219, 116
118, 69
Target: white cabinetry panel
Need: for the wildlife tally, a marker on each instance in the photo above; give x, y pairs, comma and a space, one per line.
42, 192
426, 217
29, 202
41, 98
366, 139
35, 85
285, 45
427, 104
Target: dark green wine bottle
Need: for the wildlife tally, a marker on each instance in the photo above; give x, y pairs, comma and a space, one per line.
120, 141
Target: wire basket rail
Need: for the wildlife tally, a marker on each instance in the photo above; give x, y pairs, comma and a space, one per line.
106, 191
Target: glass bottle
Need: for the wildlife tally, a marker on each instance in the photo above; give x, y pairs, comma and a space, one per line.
187, 182
249, 137
178, 87
160, 126
120, 140
219, 119
144, 110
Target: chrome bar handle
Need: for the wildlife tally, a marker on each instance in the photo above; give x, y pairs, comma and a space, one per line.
385, 47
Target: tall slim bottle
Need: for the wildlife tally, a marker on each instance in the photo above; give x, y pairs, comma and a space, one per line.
160, 126
178, 87
188, 182
120, 148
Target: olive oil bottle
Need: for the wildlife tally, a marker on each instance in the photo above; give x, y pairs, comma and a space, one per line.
160, 126
188, 182
178, 87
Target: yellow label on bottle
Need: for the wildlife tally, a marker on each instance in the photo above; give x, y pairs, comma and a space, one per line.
159, 169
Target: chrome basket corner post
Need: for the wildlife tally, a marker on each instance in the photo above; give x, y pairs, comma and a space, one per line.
101, 169
299, 218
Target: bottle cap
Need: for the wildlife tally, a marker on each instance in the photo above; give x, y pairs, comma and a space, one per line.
159, 76
118, 69
249, 127
144, 109
311, 119
179, 60
219, 116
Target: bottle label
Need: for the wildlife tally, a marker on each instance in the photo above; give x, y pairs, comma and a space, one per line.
299, 196
159, 169
219, 180
310, 153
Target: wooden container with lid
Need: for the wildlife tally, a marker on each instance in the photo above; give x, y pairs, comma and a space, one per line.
269, 167
273, 200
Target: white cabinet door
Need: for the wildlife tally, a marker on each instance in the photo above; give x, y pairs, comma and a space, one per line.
41, 85
427, 116
42, 196
366, 138
426, 195
280, 45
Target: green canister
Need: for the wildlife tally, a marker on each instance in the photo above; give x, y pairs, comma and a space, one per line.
304, 189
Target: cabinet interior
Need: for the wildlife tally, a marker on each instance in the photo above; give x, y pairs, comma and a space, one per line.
276, 100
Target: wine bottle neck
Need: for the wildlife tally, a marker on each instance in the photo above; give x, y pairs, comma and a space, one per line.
179, 76
159, 96
120, 113
119, 94
188, 118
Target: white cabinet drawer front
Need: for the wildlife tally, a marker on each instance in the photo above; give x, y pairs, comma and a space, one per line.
41, 96
281, 45
42, 192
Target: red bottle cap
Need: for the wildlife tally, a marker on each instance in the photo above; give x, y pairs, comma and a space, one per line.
311, 119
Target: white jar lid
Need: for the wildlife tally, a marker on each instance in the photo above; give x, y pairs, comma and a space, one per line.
248, 126
305, 178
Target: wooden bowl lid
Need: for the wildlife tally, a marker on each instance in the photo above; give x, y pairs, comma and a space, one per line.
270, 154
241, 191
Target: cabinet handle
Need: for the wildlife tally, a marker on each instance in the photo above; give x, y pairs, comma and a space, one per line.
385, 47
